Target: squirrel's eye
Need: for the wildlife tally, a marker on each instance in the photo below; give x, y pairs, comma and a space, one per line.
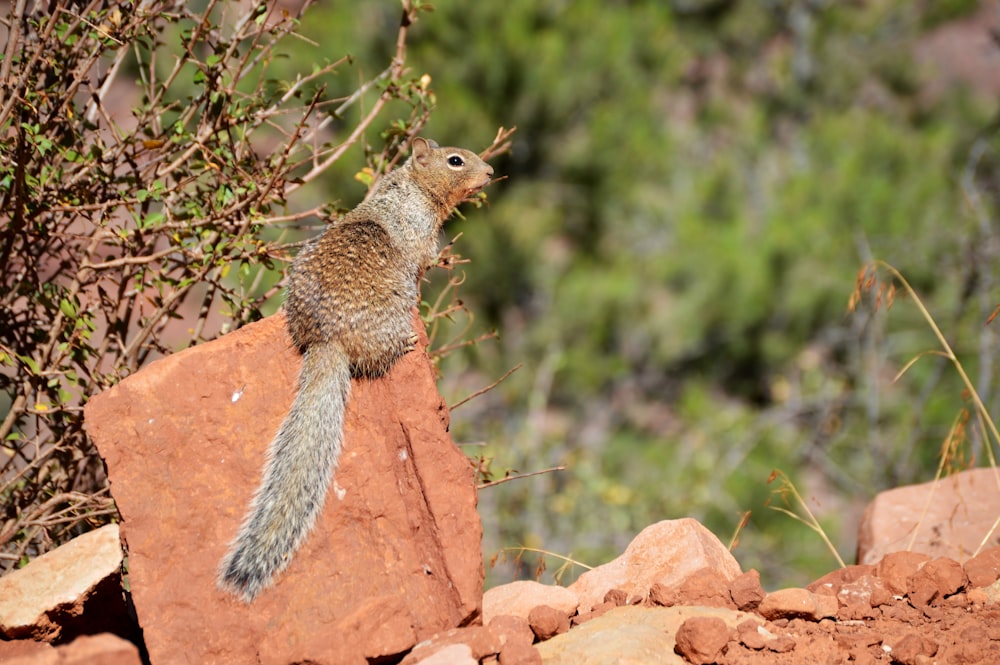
455, 160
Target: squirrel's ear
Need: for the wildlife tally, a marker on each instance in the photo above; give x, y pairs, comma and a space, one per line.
422, 150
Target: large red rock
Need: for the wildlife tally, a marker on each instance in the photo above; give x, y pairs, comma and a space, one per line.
960, 511
394, 557
665, 553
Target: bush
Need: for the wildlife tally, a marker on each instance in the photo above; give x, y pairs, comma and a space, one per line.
126, 234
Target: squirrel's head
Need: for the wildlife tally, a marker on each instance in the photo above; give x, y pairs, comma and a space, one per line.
449, 174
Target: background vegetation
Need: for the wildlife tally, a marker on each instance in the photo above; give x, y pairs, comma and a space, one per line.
693, 188
692, 191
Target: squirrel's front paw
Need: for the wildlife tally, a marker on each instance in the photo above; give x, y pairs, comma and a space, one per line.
411, 343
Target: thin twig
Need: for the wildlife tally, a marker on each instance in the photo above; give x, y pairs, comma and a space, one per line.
517, 476
487, 388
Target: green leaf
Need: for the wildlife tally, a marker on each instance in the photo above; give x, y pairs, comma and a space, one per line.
30, 362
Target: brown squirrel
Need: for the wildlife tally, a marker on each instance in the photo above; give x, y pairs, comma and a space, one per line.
349, 301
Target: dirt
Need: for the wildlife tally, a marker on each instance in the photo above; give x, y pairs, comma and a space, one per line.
909, 609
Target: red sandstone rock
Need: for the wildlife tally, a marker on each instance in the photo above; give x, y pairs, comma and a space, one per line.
746, 591
595, 611
831, 583
961, 510
752, 635
519, 598
394, 557
798, 603
857, 588
909, 649
103, 649
934, 581
72, 590
984, 569
547, 622
664, 596
511, 630
700, 639
708, 588
617, 597
453, 654
520, 654
895, 568
666, 552
479, 641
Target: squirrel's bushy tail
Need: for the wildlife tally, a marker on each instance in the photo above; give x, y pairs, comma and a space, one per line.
297, 474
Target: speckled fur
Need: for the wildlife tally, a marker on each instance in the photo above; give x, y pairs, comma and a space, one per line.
348, 309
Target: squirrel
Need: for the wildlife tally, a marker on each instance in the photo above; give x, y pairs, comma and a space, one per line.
348, 307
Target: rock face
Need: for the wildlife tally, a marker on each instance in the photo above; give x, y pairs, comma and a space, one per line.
961, 510
394, 557
72, 590
666, 553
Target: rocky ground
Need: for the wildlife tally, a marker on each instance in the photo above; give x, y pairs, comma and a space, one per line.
674, 596
910, 608
393, 572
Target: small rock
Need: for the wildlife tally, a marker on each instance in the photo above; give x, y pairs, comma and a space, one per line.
911, 647
511, 630
519, 598
664, 596
666, 552
453, 654
700, 639
746, 591
479, 641
547, 622
520, 654
936, 580
595, 611
895, 568
46, 599
861, 656
706, 587
865, 592
617, 597
832, 582
752, 635
797, 604
984, 569
781, 644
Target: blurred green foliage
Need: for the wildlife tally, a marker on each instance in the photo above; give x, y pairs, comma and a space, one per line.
693, 188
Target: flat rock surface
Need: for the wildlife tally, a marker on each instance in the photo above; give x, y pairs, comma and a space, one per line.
394, 557
631, 634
